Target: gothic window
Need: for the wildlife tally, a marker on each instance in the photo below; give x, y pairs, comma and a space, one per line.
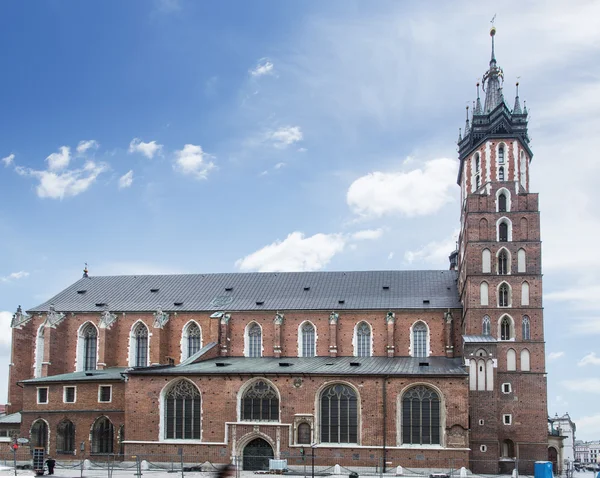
102, 436
139, 343
483, 293
525, 293
254, 340
39, 434
503, 295
525, 364
182, 411
477, 165
260, 402
477, 182
505, 329
502, 202
363, 340
501, 156
339, 415
193, 339
89, 335
521, 261
421, 416
523, 170
511, 360
65, 438
501, 173
304, 434
526, 328
486, 261
487, 325
503, 262
308, 340
503, 232
39, 352
419, 333
508, 449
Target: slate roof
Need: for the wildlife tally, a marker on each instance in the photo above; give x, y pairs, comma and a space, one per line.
313, 366
478, 338
13, 418
108, 374
260, 291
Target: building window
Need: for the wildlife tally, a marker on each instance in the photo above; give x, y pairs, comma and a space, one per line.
304, 434
39, 434
254, 333
511, 360
420, 340
421, 416
477, 165
486, 261
477, 181
503, 262
260, 402
525, 293
308, 340
503, 295
508, 448
526, 332
481, 422
505, 329
193, 339
69, 394
507, 419
521, 262
42, 395
502, 202
65, 438
139, 345
363, 340
506, 388
90, 346
339, 415
182, 411
503, 232
501, 155
483, 293
105, 393
39, 352
525, 361
483, 448
487, 325
523, 170
501, 173
102, 436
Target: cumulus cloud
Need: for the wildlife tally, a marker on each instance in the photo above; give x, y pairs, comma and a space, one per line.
60, 160
367, 234
84, 146
147, 149
555, 356
434, 252
264, 67
5, 330
589, 359
193, 161
587, 427
14, 276
409, 193
126, 180
589, 385
284, 136
279, 165
8, 160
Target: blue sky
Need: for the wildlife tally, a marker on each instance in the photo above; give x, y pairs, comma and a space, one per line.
179, 136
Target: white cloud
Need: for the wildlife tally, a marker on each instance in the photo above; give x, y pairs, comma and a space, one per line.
5, 330
585, 326
434, 252
555, 356
60, 160
279, 165
192, 161
588, 385
147, 149
285, 136
390, 256
587, 427
414, 193
264, 67
168, 6
8, 160
294, 253
589, 359
126, 180
367, 234
14, 276
83, 146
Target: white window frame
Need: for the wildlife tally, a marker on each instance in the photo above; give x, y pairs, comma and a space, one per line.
509, 296
508, 261
508, 199
505, 386
301, 338
521, 260
484, 293
481, 422
486, 261
100, 393
247, 339
185, 344
65, 393
504, 419
427, 339
483, 448
80, 354
355, 338
39, 352
37, 396
509, 232
133, 343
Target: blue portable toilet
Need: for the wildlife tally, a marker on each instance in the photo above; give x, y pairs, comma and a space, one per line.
542, 469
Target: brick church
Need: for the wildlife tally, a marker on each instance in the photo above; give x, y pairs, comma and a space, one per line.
412, 368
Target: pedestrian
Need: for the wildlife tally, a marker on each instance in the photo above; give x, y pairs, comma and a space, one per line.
226, 472
50, 463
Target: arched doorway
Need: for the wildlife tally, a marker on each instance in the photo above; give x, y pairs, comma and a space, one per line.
553, 457
257, 454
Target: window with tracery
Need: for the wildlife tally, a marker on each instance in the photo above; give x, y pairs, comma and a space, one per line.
503, 262
421, 416
182, 411
254, 341
308, 340
505, 326
39, 434
501, 173
260, 402
501, 155
363, 340
90, 346
419, 333
526, 328
503, 232
102, 436
503, 296
339, 415
487, 325
194, 339
502, 202
140, 343
65, 438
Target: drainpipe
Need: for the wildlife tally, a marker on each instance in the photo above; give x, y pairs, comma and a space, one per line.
384, 395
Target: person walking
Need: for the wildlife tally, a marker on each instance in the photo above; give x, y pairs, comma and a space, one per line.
50, 463
228, 471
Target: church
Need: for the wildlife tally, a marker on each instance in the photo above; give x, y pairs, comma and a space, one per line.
422, 369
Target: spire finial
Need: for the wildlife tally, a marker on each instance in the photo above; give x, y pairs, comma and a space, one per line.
493, 34
85, 271
517, 107
459, 135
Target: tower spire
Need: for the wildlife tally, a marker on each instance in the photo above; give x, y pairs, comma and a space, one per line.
478, 109
517, 108
492, 81
467, 122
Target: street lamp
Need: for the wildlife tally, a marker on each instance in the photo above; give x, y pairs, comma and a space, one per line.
312, 447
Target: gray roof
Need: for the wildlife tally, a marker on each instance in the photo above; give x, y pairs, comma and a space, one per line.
478, 338
260, 291
314, 366
108, 374
13, 418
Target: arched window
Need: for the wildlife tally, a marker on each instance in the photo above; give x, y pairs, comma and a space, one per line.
503, 262
487, 325
304, 437
421, 416
39, 434
89, 336
65, 438
339, 415
525, 365
39, 352
523, 170
254, 340
477, 182
308, 340
260, 402
524, 229
486, 261
505, 329
501, 173
521, 263
508, 449
501, 155
525, 293
102, 436
484, 293
503, 295
420, 333
503, 232
477, 163
182, 411
363, 340
502, 202
481, 375
139, 345
511, 360
483, 229
192, 337
526, 332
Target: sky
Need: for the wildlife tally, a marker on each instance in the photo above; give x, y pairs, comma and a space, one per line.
176, 136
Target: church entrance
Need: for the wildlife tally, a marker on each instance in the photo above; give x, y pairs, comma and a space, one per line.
553, 457
257, 454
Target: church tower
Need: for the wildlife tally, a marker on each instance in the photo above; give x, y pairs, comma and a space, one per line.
500, 284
